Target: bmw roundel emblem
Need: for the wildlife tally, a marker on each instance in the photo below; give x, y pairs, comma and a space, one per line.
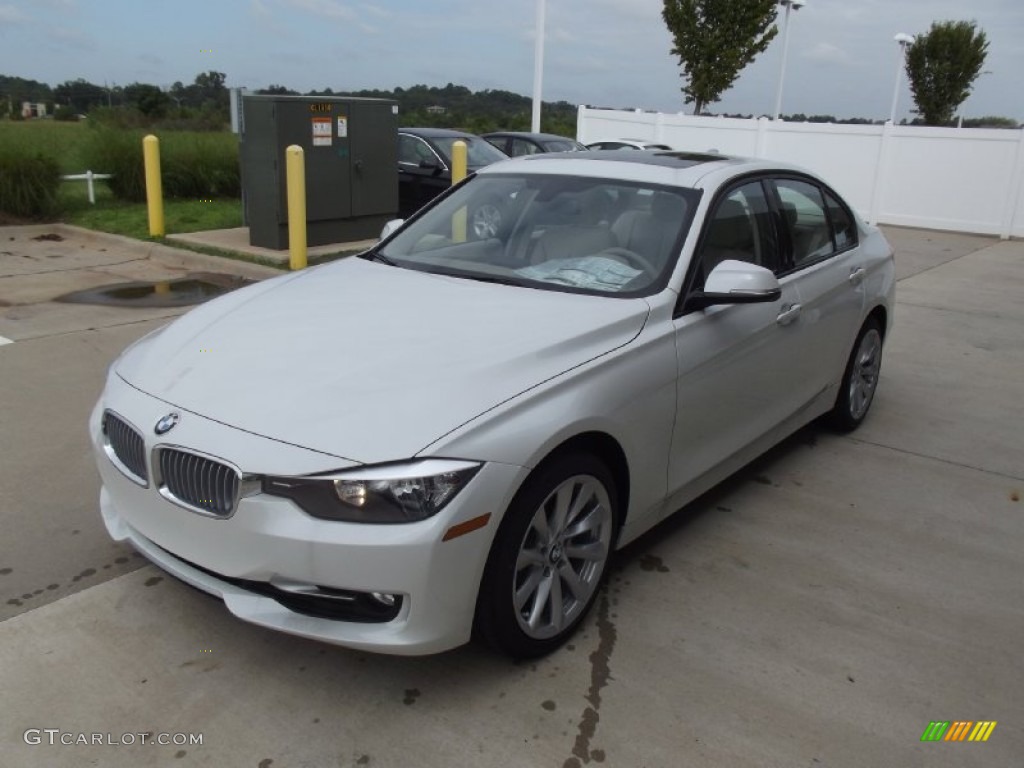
166, 423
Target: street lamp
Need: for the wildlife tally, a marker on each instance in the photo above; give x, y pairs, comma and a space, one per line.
904, 40
790, 5
538, 67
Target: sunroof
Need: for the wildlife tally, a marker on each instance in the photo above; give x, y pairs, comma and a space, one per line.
670, 159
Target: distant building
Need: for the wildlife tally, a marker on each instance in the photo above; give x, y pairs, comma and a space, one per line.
437, 109
28, 109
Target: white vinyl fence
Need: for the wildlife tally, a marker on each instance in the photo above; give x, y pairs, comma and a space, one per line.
964, 180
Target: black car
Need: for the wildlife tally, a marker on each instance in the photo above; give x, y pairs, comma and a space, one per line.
424, 163
515, 143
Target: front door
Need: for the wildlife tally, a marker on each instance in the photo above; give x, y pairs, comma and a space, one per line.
736, 361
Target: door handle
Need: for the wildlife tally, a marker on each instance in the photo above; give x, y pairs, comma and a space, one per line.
856, 275
788, 315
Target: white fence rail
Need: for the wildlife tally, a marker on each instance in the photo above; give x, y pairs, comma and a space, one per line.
88, 177
964, 180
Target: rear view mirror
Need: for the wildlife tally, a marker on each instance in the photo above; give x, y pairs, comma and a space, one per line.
390, 227
736, 282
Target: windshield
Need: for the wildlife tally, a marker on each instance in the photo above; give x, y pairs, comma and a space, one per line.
590, 235
478, 152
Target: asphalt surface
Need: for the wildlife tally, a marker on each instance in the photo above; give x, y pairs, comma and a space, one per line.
818, 609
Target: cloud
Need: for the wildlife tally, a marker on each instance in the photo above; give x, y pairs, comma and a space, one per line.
329, 9
259, 8
828, 53
11, 15
72, 38
376, 10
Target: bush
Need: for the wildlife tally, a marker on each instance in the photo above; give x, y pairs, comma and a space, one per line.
28, 184
119, 153
193, 165
65, 114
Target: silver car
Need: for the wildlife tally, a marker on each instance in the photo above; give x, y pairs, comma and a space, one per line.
454, 431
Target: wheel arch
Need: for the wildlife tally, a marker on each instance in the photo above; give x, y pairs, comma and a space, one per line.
606, 448
880, 315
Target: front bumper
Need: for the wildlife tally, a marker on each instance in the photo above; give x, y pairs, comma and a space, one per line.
269, 539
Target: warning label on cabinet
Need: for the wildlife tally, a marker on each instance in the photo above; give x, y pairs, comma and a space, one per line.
321, 131
342, 127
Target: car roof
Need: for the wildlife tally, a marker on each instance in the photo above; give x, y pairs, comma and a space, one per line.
529, 135
685, 169
438, 133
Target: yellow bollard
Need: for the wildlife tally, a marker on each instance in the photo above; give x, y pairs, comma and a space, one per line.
459, 164
295, 171
459, 150
154, 190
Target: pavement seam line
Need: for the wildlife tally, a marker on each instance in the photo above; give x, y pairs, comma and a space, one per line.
76, 269
944, 263
951, 309
937, 458
97, 328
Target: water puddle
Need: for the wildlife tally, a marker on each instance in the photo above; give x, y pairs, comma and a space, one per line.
192, 289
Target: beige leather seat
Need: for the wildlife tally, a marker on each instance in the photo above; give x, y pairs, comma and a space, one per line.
652, 234
570, 242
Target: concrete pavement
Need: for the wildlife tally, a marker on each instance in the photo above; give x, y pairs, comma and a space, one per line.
818, 609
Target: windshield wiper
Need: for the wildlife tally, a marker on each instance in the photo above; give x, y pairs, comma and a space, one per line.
374, 255
481, 277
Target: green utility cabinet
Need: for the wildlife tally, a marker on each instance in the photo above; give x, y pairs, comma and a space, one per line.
351, 162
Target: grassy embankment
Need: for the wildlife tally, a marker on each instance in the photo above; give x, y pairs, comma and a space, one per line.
193, 165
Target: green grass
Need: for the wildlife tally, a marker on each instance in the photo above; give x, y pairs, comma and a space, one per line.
61, 141
132, 219
70, 144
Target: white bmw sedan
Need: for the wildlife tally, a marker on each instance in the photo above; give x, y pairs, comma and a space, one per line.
452, 432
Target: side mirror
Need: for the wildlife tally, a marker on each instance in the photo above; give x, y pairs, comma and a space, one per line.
430, 165
736, 282
390, 228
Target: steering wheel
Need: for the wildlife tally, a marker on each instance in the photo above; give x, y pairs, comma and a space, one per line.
632, 259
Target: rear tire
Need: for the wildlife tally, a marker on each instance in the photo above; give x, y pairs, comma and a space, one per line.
860, 379
549, 557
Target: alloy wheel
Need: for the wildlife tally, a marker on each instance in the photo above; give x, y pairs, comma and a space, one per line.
864, 376
562, 556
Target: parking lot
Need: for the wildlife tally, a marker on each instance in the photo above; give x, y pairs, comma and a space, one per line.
818, 609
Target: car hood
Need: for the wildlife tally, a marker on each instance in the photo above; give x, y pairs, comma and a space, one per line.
369, 362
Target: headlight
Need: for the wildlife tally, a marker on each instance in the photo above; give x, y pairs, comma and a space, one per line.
390, 493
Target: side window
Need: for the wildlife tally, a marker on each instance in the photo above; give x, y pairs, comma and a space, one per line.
844, 228
739, 228
407, 150
804, 209
498, 142
412, 149
523, 147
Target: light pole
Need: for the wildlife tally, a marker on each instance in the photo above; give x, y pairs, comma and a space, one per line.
790, 5
904, 40
538, 67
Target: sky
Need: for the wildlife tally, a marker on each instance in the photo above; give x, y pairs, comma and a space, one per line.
842, 59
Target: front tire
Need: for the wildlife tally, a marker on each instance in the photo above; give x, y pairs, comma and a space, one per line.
549, 557
860, 379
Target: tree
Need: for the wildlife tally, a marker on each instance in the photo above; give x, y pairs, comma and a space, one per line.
80, 95
942, 66
211, 90
715, 40
148, 99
